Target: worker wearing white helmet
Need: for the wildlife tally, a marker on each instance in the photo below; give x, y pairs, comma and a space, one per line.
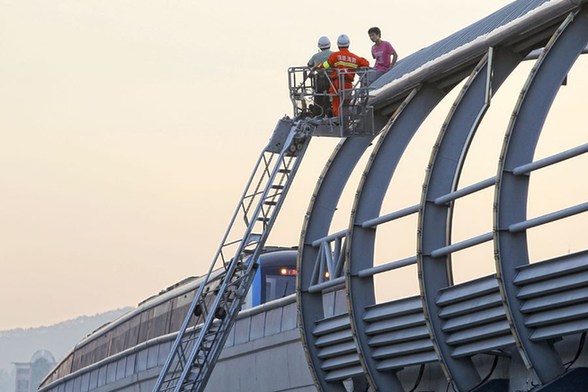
324, 42
324, 45
322, 103
343, 41
343, 59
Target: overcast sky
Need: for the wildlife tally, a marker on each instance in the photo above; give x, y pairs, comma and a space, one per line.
129, 128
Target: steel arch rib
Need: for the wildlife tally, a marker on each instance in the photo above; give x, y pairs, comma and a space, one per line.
369, 198
315, 226
512, 191
445, 166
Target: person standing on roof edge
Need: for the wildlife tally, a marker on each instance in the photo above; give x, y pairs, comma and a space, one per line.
383, 52
343, 59
322, 104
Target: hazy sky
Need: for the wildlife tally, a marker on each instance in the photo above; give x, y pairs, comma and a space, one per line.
129, 129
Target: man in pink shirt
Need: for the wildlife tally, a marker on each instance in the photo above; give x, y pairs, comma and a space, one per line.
383, 52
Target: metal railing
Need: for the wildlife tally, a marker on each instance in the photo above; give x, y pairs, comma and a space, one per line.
313, 92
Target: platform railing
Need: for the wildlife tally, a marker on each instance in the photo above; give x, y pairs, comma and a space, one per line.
313, 92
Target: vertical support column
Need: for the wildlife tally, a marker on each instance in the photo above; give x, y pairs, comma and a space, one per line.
368, 202
445, 166
511, 191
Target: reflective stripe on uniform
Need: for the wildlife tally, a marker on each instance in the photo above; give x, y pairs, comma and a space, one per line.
345, 64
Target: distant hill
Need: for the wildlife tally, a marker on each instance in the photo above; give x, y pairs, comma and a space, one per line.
19, 345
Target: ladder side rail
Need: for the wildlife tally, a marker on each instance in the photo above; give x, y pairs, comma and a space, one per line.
210, 314
184, 337
247, 194
280, 197
265, 172
246, 236
203, 333
232, 265
263, 196
222, 334
277, 188
235, 305
177, 348
250, 196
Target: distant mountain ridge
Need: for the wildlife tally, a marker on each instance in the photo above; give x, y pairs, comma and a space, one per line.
19, 345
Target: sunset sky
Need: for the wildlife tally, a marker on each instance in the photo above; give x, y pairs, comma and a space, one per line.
129, 129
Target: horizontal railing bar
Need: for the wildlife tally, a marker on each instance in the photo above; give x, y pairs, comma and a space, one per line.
465, 191
462, 245
387, 267
534, 54
556, 158
329, 238
547, 218
326, 285
390, 217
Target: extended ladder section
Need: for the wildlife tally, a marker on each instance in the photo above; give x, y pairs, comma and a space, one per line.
218, 300
196, 348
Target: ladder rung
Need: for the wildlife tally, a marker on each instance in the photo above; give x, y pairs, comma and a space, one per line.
286, 171
270, 203
277, 186
262, 219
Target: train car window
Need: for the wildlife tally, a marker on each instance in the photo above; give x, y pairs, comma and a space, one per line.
160, 320
84, 355
118, 339
94, 351
124, 335
154, 322
180, 307
77, 359
279, 282
65, 367
146, 324
132, 335
101, 350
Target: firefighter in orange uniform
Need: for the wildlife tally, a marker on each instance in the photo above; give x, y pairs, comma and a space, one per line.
343, 59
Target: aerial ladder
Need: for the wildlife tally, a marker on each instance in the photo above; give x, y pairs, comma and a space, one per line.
212, 313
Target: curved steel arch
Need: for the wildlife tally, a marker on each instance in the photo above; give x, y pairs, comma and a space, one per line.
316, 225
512, 189
368, 202
435, 218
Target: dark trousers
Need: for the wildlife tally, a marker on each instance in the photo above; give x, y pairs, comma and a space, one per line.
322, 102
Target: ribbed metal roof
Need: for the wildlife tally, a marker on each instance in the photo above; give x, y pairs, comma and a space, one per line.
462, 37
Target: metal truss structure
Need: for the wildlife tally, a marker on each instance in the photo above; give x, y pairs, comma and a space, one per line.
524, 309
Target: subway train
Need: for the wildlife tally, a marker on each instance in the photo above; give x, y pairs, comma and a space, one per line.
163, 313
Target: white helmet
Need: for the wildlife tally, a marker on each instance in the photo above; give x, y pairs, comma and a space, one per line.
343, 41
324, 42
